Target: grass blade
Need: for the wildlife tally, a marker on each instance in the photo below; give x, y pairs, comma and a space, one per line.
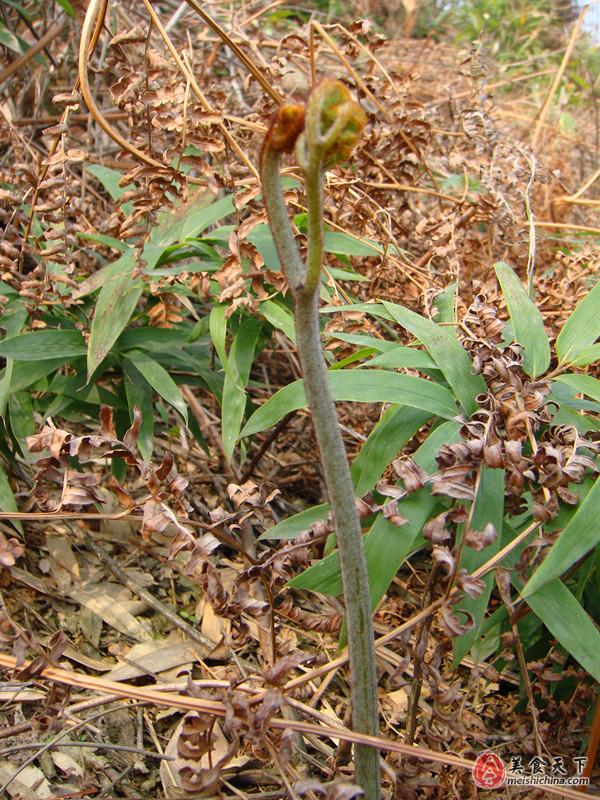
7, 499
240, 360
159, 379
582, 384
116, 303
386, 545
361, 387
389, 435
527, 322
44, 345
569, 623
581, 534
488, 507
581, 330
445, 349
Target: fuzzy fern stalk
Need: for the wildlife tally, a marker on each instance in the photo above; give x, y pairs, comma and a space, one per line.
323, 135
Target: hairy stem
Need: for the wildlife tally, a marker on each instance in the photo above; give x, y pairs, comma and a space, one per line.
334, 459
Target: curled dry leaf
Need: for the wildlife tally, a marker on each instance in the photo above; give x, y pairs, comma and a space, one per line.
437, 531
278, 673
10, 550
470, 585
412, 475
479, 540
452, 624
443, 558
196, 736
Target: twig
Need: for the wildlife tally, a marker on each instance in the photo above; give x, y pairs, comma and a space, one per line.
189, 76
503, 584
557, 78
566, 226
246, 61
98, 745
418, 653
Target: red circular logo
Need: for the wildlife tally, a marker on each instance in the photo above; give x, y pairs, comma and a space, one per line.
489, 771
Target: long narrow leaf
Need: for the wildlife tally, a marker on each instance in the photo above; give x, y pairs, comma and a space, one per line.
581, 534
159, 379
583, 384
445, 349
581, 330
116, 303
296, 524
13, 319
139, 395
391, 433
44, 345
360, 386
386, 545
488, 508
240, 359
7, 498
569, 623
527, 322
402, 356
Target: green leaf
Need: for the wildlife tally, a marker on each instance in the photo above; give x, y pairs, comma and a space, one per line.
359, 386
527, 322
240, 360
116, 303
191, 220
44, 345
374, 309
7, 499
67, 7
109, 241
581, 330
568, 622
387, 438
139, 395
298, 523
581, 534
343, 244
445, 304
8, 39
280, 317
357, 355
446, 351
589, 355
157, 340
582, 422
13, 319
218, 333
402, 356
20, 409
340, 274
109, 178
159, 379
260, 237
488, 508
361, 339
26, 373
582, 384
